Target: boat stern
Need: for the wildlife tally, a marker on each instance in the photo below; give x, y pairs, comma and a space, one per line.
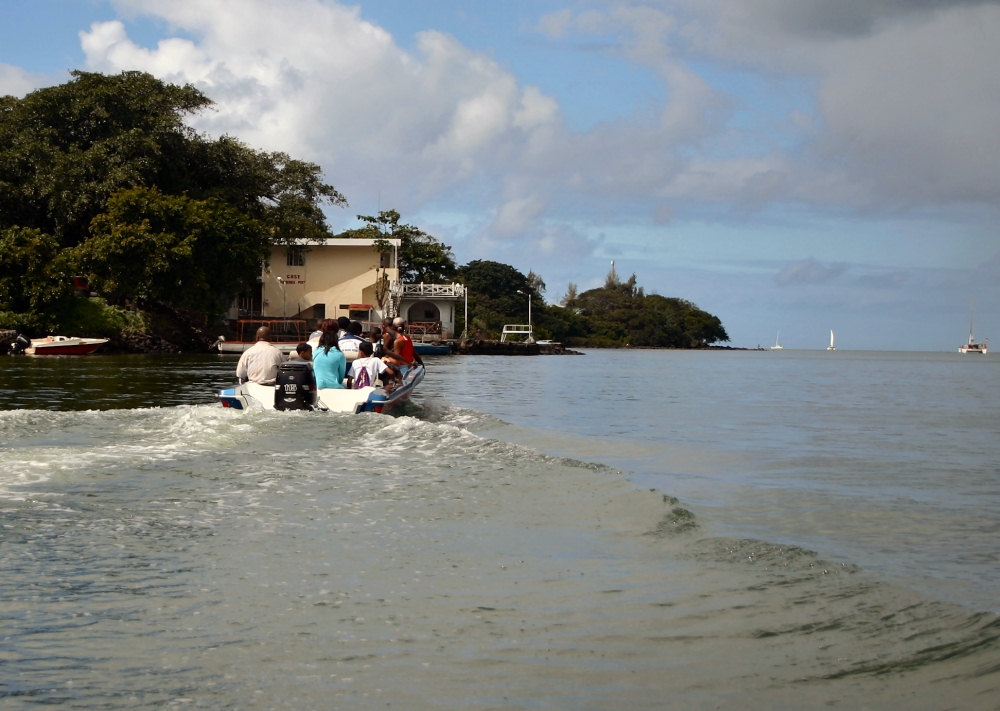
234, 398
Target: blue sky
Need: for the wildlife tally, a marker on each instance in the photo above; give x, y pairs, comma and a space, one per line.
797, 165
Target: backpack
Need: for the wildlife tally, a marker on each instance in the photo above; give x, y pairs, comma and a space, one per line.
362, 379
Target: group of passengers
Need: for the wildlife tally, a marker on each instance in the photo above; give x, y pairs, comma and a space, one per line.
384, 357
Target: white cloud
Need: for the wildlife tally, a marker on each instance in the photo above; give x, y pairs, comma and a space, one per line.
516, 216
905, 109
906, 92
912, 111
318, 81
15, 81
809, 271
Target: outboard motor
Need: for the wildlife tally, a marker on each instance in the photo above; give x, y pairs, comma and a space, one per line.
295, 386
18, 345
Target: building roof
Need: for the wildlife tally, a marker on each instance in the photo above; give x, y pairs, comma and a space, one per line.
345, 242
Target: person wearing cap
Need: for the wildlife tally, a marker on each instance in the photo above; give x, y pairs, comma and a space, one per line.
402, 345
387, 347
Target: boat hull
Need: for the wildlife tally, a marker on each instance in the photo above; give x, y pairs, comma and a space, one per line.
431, 349
974, 348
64, 345
251, 396
240, 346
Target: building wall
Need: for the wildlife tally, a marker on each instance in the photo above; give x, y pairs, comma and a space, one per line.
333, 274
440, 310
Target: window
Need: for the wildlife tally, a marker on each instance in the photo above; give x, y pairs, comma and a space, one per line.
295, 257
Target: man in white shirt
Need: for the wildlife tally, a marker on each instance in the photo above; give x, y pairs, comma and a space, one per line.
260, 362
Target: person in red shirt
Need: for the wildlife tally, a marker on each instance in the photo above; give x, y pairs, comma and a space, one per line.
402, 352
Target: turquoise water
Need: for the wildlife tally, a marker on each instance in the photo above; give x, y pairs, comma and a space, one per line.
646, 529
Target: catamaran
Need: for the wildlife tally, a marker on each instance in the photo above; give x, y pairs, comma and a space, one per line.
777, 345
972, 346
831, 347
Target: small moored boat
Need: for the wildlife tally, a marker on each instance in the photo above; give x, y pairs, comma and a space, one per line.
63, 345
432, 348
285, 335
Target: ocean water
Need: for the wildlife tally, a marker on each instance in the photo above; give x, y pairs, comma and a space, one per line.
619, 529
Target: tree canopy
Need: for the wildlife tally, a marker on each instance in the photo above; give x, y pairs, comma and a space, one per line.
619, 313
171, 249
421, 257
80, 162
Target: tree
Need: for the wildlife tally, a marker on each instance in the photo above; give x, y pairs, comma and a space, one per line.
98, 149
153, 248
493, 297
65, 149
285, 195
421, 257
705, 328
570, 299
620, 313
34, 279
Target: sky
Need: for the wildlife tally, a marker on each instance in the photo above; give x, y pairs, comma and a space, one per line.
791, 166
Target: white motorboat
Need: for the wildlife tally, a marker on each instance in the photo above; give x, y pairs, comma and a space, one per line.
294, 393
63, 345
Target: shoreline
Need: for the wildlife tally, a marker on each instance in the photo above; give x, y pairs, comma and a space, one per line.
145, 344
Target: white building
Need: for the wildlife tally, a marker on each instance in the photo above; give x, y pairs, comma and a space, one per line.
431, 310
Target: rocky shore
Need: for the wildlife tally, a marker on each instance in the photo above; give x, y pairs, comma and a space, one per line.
473, 346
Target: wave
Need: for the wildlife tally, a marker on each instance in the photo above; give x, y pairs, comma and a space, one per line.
453, 538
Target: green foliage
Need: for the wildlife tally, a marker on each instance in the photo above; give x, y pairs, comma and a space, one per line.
615, 315
620, 313
154, 248
493, 295
284, 194
94, 153
65, 149
34, 280
95, 317
422, 258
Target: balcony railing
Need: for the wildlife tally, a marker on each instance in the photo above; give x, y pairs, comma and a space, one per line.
422, 291
517, 329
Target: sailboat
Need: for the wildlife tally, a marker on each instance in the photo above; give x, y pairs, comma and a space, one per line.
972, 346
831, 347
777, 346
